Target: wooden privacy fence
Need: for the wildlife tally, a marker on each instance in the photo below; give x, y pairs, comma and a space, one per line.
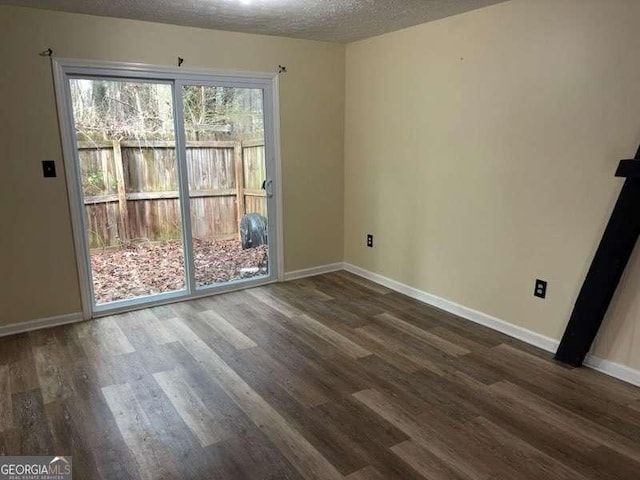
131, 189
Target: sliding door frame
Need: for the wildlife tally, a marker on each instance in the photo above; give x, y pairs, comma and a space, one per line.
64, 69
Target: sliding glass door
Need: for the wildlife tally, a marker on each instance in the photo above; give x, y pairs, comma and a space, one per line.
224, 131
126, 152
171, 179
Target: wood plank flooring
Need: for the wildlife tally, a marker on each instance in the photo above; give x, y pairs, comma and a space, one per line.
326, 378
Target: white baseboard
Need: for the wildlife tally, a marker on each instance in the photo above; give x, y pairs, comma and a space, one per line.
528, 336
310, 272
39, 324
616, 370
613, 369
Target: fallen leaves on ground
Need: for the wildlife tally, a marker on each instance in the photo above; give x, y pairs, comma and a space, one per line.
150, 268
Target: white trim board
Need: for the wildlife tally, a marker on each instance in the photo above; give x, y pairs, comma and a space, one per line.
533, 338
613, 369
310, 272
616, 370
40, 323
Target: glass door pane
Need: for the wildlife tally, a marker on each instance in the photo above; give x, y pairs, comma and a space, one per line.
225, 154
125, 136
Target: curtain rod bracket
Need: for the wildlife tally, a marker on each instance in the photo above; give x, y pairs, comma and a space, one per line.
46, 53
180, 61
282, 69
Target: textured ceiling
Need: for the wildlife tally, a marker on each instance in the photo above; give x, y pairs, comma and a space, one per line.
329, 20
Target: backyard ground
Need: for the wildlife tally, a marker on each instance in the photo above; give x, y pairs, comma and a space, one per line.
150, 268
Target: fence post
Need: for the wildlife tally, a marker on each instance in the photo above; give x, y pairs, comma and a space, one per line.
239, 171
123, 227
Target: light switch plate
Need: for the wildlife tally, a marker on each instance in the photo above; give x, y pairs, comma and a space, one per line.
48, 168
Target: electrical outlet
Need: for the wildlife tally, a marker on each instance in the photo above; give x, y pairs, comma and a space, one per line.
370, 241
541, 289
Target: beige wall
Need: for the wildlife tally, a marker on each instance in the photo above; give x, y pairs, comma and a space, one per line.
39, 276
480, 150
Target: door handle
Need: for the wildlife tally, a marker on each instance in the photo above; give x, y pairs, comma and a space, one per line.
267, 186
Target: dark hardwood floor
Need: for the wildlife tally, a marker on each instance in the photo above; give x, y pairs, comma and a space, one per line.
329, 377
